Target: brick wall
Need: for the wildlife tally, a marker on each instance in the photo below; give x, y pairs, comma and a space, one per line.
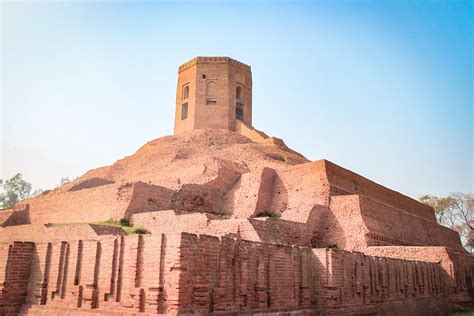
259, 186
297, 189
229, 275
458, 266
250, 132
261, 229
147, 198
15, 264
360, 221
353, 282
181, 273
387, 221
19, 215
224, 75
343, 181
224, 275
87, 205
123, 274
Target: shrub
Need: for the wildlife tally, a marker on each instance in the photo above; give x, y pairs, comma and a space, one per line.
141, 231
124, 222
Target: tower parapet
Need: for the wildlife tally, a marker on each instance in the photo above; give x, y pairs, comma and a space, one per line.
213, 92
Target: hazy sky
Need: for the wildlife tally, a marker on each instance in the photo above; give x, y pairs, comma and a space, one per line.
383, 88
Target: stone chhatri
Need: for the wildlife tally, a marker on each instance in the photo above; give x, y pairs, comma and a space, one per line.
239, 223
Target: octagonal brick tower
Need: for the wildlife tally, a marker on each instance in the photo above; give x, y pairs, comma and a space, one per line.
213, 92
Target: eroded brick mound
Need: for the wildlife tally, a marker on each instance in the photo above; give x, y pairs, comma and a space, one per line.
254, 189
254, 202
174, 160
89, 183
234, 223
190, 172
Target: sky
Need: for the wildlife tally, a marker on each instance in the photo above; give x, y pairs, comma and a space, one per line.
383, 88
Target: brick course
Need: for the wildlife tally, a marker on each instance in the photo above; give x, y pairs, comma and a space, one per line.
184, 273
15, 264
240, 224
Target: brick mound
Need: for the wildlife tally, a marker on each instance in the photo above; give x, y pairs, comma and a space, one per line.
239, 224
189, 172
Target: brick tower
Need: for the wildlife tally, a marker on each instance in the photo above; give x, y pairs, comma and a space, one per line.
213, 92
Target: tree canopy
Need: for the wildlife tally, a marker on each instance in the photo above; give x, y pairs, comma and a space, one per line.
455, 211
14, 190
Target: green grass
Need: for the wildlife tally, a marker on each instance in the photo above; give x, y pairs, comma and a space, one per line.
124, 224
275, 216
223, 215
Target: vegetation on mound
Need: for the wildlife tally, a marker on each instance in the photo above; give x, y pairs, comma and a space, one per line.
270, 215
14, 190
224, 215
126, 226
123, 223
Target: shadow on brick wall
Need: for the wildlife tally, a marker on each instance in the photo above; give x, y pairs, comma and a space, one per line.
19, 216
187, 273
13, 289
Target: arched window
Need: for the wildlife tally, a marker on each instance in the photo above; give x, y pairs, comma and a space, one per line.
185, 92
238, 93
211, 89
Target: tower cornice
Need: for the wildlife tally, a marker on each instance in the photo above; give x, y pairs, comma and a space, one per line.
220, 59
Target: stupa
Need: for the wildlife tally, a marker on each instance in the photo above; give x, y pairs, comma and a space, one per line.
232, 222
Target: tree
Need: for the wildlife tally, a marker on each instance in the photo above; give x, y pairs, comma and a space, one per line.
455, 211
64, 180
14, 190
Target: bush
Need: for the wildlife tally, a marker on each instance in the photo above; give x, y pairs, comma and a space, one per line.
124, 222
141, 231
111, 221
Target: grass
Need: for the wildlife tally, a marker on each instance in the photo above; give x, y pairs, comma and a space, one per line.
275, 216
123, 223
223, 215
269, 215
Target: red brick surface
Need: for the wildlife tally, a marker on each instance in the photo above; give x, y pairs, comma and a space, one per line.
239, 223
225, 74
183, 273
15, 266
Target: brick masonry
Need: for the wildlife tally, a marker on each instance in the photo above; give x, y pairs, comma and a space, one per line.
15, 263
207, 87
188, 273
239, 222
